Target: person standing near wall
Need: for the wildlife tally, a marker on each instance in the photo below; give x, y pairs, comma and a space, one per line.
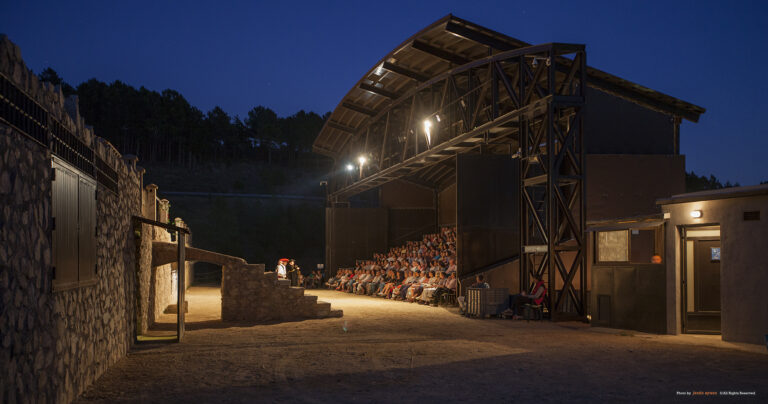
281, 272
293, 272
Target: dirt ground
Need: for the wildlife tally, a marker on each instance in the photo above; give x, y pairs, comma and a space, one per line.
393, 352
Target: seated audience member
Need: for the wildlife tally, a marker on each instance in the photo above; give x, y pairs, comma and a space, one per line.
429, 291
449, 287
402, 288
374, 285
354, 281
387, 291
451, 266
480, 283
306, 281
333, 282
416, 278
365, 286
535, 297
345, 279
416, 285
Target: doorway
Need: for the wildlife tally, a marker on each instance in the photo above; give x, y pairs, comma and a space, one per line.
701, 279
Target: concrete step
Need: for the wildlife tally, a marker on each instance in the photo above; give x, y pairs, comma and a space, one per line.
283, 283
323, 309
172, 308
336, 313
310, 299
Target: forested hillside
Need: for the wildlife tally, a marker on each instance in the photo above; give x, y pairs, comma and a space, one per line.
185, 149
162, 127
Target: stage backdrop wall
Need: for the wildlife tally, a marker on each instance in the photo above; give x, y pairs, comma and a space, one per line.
486, 210
353, 233
412, 211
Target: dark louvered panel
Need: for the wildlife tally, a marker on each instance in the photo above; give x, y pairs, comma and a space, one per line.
22, 112
87, 230
106, 175
71, 149
65, 234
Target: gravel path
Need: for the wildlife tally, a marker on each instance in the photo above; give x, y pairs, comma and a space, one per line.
393, 352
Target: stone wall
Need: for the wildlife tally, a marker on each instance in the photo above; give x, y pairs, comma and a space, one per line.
54, 344
250, 294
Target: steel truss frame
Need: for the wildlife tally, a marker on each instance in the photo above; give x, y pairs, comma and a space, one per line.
480, 102
552, 194
531, 98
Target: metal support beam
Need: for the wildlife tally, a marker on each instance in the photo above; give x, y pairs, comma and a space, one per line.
479, 37
404, 71
358, 108
336, 125
439, 53
181, 283
379, 91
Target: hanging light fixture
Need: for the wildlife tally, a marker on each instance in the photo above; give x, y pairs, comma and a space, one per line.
428, 131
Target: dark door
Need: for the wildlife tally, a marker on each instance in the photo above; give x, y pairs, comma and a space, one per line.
703, 308
707, 279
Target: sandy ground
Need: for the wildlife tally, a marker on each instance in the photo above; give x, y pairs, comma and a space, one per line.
393, 352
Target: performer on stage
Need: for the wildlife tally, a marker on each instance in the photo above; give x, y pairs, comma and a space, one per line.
281, 271
293, 272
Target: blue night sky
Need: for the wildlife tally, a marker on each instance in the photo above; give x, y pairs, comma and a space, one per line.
306, 55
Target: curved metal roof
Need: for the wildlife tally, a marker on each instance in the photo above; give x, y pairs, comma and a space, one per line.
445, 44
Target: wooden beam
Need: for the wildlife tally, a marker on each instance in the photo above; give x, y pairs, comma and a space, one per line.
343, 128
439, 53
404, 71
379, 91
358, 108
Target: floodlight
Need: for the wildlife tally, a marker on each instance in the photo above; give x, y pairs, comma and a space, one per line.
427, 132
350, 167
362, 160
696, 214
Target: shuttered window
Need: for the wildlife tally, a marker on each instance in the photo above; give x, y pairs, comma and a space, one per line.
74, 227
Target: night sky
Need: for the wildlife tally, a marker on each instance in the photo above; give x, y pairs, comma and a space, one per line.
292, 55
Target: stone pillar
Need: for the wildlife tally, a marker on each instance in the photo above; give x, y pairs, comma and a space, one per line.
162, 214
149, 206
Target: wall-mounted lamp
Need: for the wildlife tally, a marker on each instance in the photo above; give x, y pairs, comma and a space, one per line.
695, 214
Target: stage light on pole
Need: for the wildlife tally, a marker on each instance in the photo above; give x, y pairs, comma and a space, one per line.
427, 131
350, 167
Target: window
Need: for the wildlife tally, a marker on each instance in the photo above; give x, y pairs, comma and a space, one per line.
74, 227
613, 246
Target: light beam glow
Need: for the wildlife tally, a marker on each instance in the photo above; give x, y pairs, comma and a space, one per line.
427, 131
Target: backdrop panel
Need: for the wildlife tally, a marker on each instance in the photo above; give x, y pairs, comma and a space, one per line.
487, 211
353, 233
